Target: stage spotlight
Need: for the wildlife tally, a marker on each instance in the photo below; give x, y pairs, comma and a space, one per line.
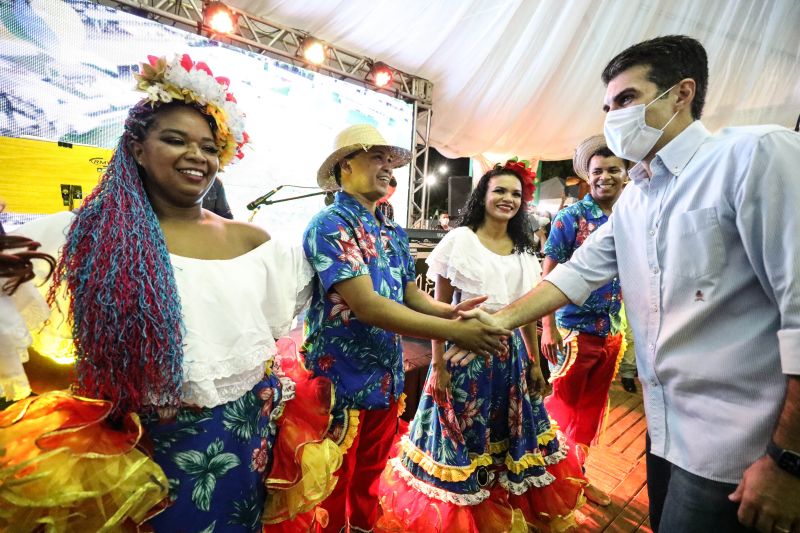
442, 169
219, 18
381, 74
430, 179
313, 50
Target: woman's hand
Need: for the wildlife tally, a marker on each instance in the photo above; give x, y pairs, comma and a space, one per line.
440, 379
537, 385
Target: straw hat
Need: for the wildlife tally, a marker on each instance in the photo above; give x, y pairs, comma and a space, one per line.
353, 139
583, 153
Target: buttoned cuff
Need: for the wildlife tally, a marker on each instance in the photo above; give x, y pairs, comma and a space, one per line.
789, 346
570, 283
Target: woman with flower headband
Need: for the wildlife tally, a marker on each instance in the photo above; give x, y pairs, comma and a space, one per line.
174, 312
481, 453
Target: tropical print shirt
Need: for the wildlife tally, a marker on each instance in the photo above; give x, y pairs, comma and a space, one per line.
571, 227
365, 363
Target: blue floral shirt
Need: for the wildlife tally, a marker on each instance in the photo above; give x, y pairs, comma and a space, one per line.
571, 227
365, 363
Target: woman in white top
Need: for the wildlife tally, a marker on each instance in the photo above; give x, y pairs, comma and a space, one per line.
174, 311
481, 454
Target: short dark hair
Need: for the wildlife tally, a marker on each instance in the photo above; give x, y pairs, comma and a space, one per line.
671, 58
337, 168
605, 151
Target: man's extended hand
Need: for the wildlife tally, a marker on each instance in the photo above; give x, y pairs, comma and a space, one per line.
478, 336
468, 305
769, 498
481, 315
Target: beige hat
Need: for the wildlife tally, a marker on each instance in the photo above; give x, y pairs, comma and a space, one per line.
353, 139
584, 152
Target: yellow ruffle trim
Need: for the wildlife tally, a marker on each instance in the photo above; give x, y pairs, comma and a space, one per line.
351, 429
573, 355
526, 461
438, 470
401, 404
63, 469
320, 461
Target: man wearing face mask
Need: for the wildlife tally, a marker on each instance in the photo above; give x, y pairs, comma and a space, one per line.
581, 384
706, 237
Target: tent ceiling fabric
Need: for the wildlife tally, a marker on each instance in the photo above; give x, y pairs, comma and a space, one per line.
523, 76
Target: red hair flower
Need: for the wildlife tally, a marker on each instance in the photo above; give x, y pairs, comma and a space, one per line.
525, 172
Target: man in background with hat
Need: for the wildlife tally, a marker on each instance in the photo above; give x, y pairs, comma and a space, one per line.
365, 295
581, 384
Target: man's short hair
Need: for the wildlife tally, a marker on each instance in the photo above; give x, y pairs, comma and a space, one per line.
671, 58
606, 152
337, 168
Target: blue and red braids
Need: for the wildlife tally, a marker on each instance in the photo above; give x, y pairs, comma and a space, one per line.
124, 303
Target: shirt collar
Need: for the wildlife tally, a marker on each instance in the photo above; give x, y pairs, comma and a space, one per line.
347, 200
589, 203
676, 154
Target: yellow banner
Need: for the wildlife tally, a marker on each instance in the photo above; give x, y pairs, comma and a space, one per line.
40, 176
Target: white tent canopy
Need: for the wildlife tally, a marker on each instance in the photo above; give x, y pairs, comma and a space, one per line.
523, 76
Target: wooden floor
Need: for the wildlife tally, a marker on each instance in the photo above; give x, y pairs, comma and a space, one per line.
616, 465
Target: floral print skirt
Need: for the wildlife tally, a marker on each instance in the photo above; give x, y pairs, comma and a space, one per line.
216, 460
485, 458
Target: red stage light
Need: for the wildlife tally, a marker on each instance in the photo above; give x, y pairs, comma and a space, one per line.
219, 18
381, 74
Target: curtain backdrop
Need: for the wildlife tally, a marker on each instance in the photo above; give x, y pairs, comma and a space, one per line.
523, 76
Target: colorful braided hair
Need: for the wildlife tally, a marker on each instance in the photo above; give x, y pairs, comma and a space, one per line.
124, 304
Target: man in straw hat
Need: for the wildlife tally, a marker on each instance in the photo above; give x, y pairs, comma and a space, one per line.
706, 238
580, 385
365, 294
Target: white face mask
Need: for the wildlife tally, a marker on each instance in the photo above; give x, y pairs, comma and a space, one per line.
628, 135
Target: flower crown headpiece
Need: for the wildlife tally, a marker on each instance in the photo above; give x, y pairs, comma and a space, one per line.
193, 83
524, 170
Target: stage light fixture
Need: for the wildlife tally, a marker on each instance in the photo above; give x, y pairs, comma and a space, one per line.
430, 179
219, 18
381, 74
443, 169
313, 50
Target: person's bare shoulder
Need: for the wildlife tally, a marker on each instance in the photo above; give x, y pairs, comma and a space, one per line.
249, 235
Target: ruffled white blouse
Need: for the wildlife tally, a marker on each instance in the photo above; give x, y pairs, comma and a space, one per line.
20, 313
233, 309
477, 271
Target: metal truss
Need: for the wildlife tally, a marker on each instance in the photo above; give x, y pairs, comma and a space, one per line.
420, 148
261, 36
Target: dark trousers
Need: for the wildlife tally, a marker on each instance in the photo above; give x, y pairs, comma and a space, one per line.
682, 502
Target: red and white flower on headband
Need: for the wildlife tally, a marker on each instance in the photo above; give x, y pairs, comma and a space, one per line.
528, 175
184, 80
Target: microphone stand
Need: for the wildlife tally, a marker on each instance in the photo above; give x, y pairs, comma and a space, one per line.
270, 202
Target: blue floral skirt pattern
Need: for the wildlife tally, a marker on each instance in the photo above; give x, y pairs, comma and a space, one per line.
216, 460
489, 429
483, 457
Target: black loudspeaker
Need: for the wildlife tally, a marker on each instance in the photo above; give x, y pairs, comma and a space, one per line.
458, 189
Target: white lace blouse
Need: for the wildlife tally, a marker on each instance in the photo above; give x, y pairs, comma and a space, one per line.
476, 271
233, 309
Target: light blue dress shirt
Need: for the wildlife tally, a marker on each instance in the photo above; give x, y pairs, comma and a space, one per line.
708, 256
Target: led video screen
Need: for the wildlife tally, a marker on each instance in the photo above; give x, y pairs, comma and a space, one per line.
66, 74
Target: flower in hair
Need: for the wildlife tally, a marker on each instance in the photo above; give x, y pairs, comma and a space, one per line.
525, 172
184, 80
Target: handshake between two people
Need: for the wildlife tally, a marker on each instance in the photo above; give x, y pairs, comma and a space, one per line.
477, 334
